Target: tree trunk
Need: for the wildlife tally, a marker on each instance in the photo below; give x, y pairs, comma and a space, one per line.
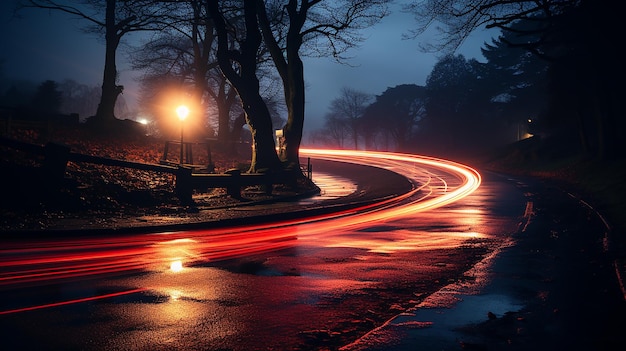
291, 70
110, 90
225, 100
201, 46
264, 157
245, 81
223, 128
237, 128
355, 134
295, 98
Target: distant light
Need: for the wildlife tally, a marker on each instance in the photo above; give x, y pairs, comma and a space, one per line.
143, 121
176, 266
182, 111
530, 120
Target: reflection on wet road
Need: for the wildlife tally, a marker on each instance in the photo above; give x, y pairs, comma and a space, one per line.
33, 262
302, 283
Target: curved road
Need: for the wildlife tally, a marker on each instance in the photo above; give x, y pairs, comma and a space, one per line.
330, 281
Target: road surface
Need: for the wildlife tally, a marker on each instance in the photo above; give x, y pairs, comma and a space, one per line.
363, 277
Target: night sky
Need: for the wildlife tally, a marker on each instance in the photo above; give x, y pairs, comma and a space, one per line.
44, 45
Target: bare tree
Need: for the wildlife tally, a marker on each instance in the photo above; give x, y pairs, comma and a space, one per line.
185, 50
323, 28
457, 19
79, 98
114, 19
239, 65
334, 132
350, 107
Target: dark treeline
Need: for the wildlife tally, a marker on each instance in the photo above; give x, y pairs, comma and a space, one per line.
29, 100
466, 106
553, 73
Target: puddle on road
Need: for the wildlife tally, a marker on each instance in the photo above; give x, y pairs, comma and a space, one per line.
436, 322
468, 309
332, 187
439, 328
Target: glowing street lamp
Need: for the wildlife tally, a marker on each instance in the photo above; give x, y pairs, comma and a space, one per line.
182, 111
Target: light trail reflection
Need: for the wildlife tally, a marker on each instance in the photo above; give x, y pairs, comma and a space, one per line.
437, 183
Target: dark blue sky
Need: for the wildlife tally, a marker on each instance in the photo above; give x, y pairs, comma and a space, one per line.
50, 45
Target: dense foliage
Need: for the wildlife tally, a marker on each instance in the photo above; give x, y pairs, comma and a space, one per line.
552, 73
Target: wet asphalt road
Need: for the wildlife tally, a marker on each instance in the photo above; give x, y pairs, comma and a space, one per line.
530, 255
558, 286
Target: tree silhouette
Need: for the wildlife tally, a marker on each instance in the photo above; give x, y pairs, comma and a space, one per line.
115, 21
322, 27
334, 132
516, 79
187, 50
397, 112
48, 98
239, 65
577, 37
455, 122
79, 98
349, 108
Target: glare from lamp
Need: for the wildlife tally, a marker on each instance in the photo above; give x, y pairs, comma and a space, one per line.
182, 111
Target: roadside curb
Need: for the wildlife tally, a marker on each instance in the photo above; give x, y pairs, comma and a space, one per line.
608, 245
299, 212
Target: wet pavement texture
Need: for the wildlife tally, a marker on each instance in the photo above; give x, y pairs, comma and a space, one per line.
556, 287
514, 266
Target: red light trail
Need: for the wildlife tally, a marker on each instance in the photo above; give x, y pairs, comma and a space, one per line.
436, 183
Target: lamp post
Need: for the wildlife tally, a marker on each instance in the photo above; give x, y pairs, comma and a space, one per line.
182, 111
